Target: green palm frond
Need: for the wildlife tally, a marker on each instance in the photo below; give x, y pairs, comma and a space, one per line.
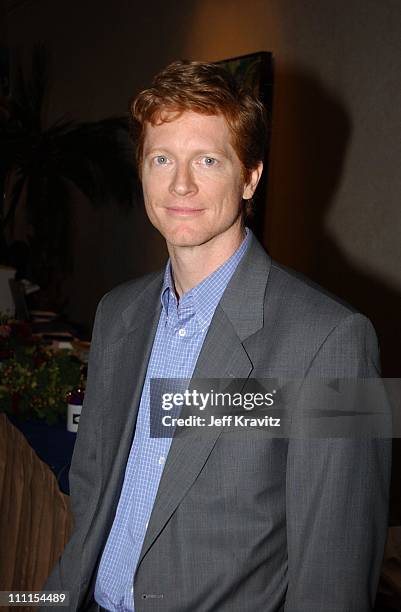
97, 158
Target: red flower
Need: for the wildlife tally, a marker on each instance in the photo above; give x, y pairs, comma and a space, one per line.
5, 331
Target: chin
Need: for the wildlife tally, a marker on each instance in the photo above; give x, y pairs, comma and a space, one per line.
186, 237
184, 241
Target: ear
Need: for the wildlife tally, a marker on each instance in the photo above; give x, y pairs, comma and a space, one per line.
250, 186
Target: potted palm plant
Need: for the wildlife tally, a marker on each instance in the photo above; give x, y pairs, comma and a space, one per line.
41, 166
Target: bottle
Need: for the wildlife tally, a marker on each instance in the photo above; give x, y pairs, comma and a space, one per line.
75, 400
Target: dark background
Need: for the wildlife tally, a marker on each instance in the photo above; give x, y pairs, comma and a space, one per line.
333, 203
333, 207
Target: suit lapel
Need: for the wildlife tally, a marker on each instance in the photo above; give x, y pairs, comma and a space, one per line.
125, 367
125, 359
189, 452
222, 356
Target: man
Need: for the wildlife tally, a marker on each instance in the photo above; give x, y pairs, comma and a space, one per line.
223, 521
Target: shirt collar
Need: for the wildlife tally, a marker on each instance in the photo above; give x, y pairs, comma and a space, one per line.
207, 294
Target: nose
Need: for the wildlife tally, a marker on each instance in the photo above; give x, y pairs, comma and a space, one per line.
183, 182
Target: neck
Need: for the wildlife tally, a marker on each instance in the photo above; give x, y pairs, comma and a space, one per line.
191, 265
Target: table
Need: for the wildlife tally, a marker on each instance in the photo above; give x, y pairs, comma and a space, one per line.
52, 443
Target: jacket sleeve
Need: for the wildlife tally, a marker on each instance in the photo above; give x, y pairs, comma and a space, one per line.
337, 494
84, 476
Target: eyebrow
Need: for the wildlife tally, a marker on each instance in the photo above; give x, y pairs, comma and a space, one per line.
203, 151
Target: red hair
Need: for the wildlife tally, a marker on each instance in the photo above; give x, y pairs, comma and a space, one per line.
207, 89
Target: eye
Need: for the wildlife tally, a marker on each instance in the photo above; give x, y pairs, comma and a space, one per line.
209, 161
160, 160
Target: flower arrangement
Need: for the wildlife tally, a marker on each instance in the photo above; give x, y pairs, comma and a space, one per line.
34, 378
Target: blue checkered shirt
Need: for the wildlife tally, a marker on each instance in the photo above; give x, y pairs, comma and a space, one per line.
178, 341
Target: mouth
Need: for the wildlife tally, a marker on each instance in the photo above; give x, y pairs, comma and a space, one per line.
183, 211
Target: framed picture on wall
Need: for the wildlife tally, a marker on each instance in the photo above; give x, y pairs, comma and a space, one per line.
255, 72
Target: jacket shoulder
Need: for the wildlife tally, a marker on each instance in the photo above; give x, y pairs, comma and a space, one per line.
312, 320
114, 303
305, 296
121, 296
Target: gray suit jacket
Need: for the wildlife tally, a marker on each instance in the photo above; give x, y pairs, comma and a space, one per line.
241, 521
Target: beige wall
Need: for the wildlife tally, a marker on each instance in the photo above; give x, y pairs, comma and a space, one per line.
333, 205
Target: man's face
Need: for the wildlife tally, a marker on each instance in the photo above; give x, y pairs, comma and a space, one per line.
192, 180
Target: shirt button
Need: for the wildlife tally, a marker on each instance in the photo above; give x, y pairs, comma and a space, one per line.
182, 332
162, 460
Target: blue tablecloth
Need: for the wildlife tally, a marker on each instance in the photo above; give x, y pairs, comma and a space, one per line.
53, 444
